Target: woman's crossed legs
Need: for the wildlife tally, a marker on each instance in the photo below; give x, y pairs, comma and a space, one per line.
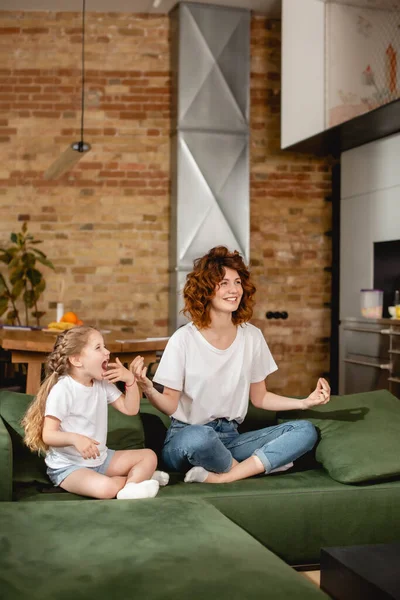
225, 456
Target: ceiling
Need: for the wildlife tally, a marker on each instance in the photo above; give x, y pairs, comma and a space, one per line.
271, 8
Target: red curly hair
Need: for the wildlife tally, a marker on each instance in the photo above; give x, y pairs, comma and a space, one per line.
208, 272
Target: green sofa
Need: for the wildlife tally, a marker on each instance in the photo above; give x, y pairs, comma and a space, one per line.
235, 540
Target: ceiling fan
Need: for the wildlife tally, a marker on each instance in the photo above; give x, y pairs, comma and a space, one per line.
75, 151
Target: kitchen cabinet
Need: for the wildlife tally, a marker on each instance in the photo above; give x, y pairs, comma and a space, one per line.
369, 355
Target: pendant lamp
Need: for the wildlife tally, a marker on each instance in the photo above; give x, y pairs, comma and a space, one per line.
73, 153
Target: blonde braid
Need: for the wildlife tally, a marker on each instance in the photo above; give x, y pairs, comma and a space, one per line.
57, 362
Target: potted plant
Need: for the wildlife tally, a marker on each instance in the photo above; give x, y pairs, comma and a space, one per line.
22, 278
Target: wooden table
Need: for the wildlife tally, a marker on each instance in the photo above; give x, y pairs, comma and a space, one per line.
32, 348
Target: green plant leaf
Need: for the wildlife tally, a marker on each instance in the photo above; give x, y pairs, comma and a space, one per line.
14, 238
12, 316
17, 288
38, 314
3, 305
34, 276
24, 226
37, 242
28, 259
14, 262
38, 252
46, 262
7, 255
3, 285
39, 289
16, 274
29, 298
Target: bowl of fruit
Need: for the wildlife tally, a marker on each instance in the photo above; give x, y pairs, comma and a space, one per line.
67, 321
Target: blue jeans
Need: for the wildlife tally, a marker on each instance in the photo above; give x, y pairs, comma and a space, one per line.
214, 444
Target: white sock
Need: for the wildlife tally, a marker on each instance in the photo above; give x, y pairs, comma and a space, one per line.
134, 491
196, 475
282, 468
161, 476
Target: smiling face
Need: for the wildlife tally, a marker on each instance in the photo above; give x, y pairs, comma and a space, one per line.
92, 362
228, 293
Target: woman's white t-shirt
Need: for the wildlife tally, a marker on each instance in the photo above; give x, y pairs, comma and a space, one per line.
83, 410
214, 383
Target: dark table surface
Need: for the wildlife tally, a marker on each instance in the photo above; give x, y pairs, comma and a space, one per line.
377, 566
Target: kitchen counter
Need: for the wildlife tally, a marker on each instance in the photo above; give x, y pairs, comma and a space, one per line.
365, 321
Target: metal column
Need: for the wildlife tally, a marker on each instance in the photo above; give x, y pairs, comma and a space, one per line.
210, 137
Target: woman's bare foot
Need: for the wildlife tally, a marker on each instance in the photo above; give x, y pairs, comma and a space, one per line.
249, 467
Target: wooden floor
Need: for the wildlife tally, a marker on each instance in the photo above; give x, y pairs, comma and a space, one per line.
314, 576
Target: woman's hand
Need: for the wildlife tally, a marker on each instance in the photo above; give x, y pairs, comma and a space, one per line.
117, 372
139, 370
321, 394
86, 446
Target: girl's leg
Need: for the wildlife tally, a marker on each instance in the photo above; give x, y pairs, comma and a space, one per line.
86, 482
261, 451
196, 445
138, 466
134, 465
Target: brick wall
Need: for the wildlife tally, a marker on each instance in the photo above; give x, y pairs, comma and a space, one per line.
105, 224
289, 216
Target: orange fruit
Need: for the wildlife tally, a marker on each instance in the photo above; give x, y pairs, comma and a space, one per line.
69, 317
79, 322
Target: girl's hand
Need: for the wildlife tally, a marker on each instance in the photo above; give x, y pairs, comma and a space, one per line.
117, 372
321, 394
139, 371
86, 446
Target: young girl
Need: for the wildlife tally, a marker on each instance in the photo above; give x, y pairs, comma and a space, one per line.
210, 368
68, 422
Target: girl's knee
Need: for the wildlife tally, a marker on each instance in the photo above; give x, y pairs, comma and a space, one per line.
150, 458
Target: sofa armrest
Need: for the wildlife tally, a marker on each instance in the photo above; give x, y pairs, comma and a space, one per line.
6, 463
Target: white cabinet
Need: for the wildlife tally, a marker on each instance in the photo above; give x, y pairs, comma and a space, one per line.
339, 62
370, 212
303, 57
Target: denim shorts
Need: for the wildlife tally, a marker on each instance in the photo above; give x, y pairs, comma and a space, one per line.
57, 476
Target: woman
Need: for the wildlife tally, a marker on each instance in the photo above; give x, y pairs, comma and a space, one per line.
209, 369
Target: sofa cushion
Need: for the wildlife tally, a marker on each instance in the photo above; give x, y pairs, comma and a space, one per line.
124, 432
359, 436
257, 418
147, 549
316, 510
27, 466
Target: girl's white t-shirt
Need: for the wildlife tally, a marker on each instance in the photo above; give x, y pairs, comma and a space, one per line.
214, 383
83, 410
